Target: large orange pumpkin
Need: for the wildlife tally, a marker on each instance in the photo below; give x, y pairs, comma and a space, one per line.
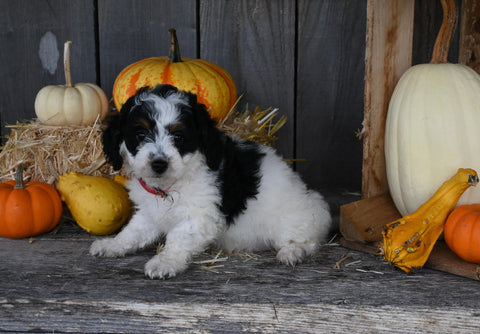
462, 232
28, 208
213, 85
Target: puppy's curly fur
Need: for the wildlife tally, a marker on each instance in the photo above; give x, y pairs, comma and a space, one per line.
197, 186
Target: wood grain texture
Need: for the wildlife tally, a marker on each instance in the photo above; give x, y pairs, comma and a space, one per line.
469, 51
32, 34
331, 55
254, 40
113, 317
388, 55
130, 31
305, 57
53, 285
364, 220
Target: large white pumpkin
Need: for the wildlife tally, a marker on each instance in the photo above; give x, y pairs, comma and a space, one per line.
432, 129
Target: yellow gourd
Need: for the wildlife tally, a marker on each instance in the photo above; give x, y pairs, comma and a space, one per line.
69, 104
408, 241
98, 204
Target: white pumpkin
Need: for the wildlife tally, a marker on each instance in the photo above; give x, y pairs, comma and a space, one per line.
432, 125
79, 104
432, 129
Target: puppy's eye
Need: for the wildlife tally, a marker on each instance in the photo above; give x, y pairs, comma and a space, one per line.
178, 137
140, 135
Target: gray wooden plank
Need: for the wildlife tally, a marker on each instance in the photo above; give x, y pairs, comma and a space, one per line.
53, 285
254, 41
133, 30
113, 317
32, 34
330, 91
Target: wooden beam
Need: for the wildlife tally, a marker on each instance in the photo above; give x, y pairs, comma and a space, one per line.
388, 54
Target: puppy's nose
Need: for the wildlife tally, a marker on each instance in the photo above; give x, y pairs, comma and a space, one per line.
159, 166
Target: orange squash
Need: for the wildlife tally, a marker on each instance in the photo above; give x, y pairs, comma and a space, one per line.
28, 208
462, 232
213, 85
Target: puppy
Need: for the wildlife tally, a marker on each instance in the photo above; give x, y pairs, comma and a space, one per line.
196, 186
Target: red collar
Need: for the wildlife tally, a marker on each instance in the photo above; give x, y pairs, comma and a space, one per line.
155, 191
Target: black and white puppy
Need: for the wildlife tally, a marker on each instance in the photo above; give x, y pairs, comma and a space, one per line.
197, 186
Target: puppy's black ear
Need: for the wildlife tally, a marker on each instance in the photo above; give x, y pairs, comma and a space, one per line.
112, 138
211, 139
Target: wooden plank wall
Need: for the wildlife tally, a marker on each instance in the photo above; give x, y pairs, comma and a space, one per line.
305, 57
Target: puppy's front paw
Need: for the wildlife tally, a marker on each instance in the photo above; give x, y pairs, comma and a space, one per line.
291, 254
108, 247
163, 267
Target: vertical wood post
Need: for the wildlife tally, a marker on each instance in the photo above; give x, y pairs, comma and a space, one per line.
388, 55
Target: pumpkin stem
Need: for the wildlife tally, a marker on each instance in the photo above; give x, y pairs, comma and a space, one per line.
174, 55
66, 64
19, 178
449, 24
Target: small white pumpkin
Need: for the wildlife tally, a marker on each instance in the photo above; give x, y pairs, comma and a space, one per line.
432, 126
69, 104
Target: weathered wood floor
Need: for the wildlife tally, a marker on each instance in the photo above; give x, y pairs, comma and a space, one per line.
52, 285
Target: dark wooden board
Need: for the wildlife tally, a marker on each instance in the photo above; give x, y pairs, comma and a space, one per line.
53, 285
255, 41
330, 90
130, 31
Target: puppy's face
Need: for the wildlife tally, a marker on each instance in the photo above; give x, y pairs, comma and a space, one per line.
158, 133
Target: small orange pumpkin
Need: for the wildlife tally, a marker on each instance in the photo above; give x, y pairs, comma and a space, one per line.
28, 208
462, 232
213, 85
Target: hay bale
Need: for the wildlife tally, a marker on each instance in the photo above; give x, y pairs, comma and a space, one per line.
50, 151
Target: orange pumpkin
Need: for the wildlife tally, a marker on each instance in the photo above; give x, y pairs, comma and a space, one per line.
213, 85
28, 208
462, 232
